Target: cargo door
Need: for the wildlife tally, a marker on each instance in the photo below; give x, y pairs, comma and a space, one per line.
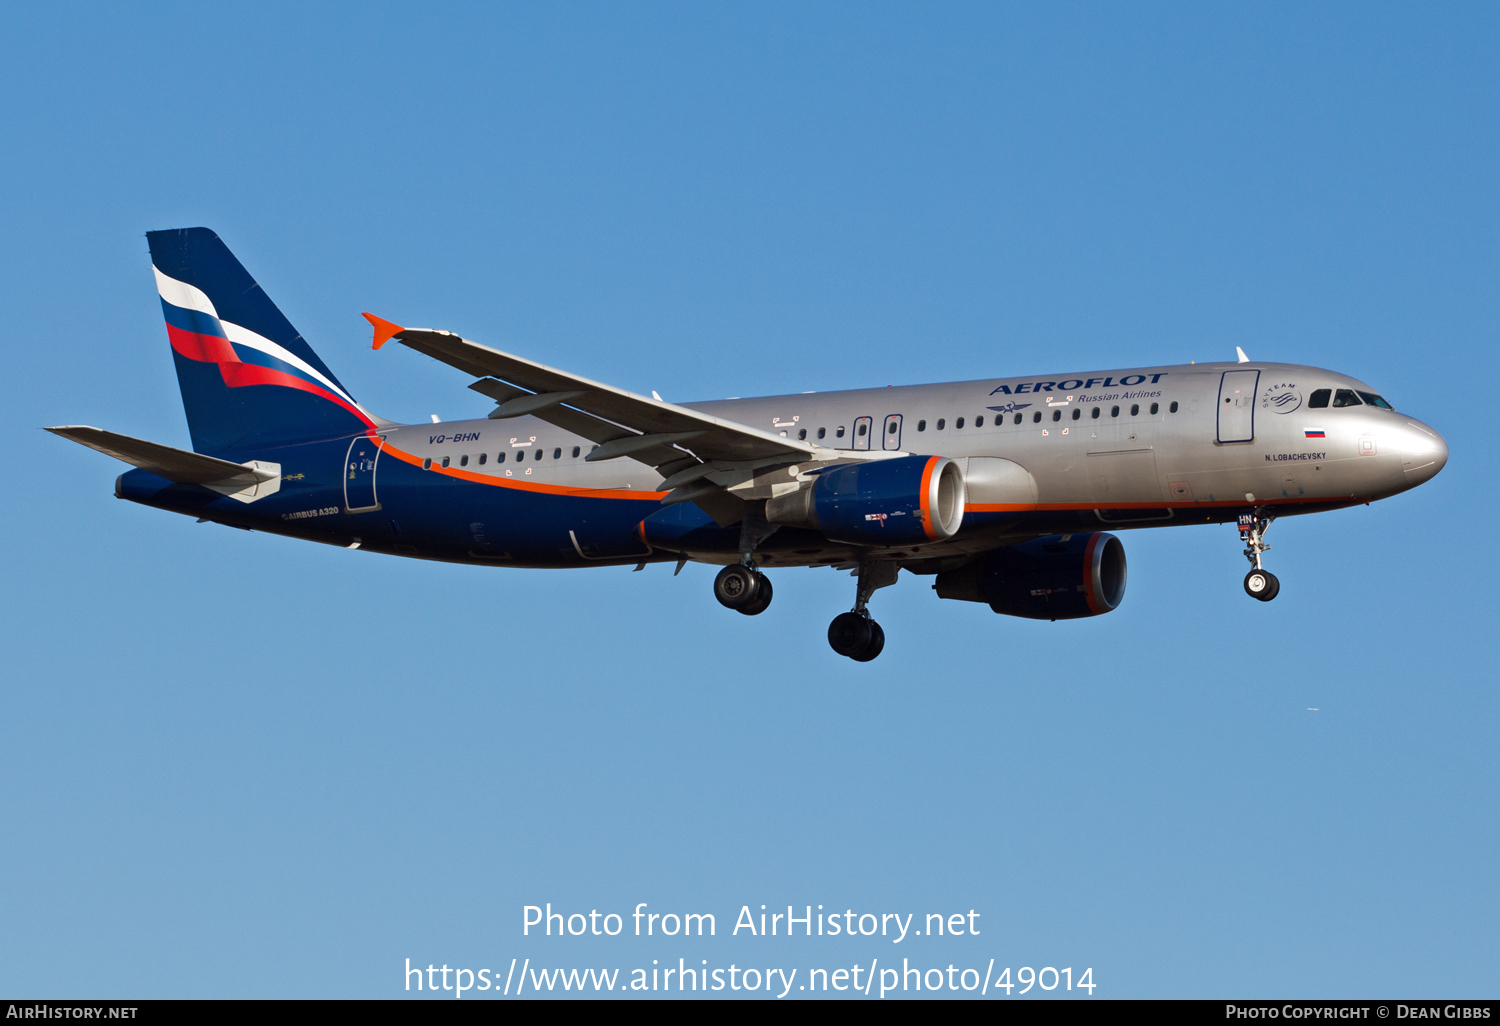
1125, 486
1237, 405
1124, 477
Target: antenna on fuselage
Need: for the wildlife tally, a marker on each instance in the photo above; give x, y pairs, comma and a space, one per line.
1243, 357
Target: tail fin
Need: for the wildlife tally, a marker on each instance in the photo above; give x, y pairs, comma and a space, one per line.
247, 377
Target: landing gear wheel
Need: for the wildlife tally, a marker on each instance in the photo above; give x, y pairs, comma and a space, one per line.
737, 587
856, 636
1262, 584
877, 643
849, 634
762, 599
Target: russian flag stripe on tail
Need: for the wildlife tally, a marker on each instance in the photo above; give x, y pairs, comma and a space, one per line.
248, 379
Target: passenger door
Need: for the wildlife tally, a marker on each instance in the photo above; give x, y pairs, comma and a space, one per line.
359, 474
1237, 406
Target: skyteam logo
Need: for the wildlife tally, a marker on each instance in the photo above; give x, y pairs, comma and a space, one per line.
1009, 407
1282, 398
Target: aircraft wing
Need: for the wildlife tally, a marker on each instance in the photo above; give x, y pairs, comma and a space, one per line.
163, 460
654, 432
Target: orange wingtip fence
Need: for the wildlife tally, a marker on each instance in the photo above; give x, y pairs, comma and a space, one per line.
384, 330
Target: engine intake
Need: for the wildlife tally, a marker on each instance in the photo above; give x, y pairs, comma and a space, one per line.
883, 502
1060, 577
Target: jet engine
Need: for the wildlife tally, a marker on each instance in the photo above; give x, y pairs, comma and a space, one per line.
1059, 577
900, 501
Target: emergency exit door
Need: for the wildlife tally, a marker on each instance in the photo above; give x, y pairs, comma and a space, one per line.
862, 432
890, 438
359, 474
1237, 405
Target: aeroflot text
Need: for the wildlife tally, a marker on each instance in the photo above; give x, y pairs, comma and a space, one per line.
765, 923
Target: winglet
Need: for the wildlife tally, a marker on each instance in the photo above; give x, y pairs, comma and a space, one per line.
384, 330
1237, 349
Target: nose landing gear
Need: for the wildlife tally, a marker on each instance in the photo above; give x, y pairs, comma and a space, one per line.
1259, 582
855, 634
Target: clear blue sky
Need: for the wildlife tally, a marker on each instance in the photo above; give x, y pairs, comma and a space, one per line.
240, 765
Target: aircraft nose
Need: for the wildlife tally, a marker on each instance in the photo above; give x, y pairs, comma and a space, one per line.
1423, 453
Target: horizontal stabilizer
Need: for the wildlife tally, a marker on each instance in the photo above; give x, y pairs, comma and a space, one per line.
238, 480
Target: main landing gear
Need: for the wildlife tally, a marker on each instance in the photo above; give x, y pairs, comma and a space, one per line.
743, 588
1259, 582
855, 634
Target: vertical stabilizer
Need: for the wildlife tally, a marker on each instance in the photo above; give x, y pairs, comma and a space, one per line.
248, 378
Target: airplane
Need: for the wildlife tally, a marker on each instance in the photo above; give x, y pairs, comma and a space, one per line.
1003, 490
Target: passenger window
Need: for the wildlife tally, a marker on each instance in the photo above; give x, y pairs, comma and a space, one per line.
941, 423
862, 430
1319, 399
557, 453
1036, 418
463, 461
575, 452
427, 463
1095, 414
921, 425
1173, 407
520, 455
1114, 411
1018, 418
1077, 413
1374, 400
958, 425
802, 435
979, 422
445, 461
1057, 414
838, 432
1135, 409
822, 432
538, 454
1154, 408
483, 457
1345, 397
892, 429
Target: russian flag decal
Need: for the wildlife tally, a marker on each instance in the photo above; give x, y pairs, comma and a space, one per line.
1314, 433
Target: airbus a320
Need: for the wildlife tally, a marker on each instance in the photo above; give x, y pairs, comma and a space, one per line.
1003, 490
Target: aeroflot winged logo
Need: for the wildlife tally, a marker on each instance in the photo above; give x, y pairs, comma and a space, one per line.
1009, 407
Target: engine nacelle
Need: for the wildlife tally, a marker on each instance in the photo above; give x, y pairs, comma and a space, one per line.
901, 501
1060, 577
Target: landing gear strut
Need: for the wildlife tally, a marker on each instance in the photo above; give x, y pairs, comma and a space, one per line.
855, 634
1259, 582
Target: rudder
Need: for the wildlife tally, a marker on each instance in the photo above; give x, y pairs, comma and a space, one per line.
248, 378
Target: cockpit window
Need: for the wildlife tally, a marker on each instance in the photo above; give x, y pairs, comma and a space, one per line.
1319, 399
1371, 399
1346, 397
